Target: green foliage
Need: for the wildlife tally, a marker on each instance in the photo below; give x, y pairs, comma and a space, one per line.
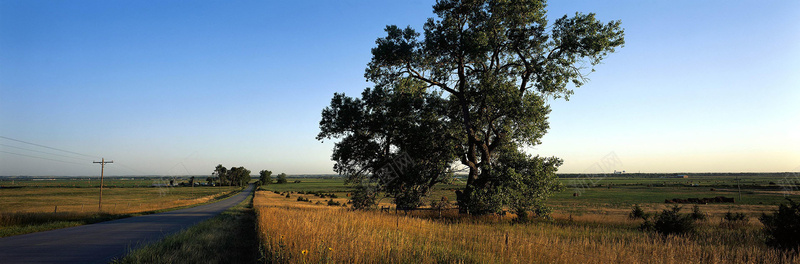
671, 222
222, 174
734, 217
265, 177
697, 214
239, 176
783, 227
472, 90
392, 138
733, 220
236, 176
363, 198
638, 213
281, 178
331, 202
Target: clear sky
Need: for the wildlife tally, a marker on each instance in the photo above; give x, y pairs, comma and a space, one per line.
177, 87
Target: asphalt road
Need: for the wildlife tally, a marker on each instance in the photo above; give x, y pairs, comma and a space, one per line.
102, 242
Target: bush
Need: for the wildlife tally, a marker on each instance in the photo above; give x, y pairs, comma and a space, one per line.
783, 227
637, 212
302, 199
697, 214
671, 222
734, 217
331, 202
733, 220
363, 198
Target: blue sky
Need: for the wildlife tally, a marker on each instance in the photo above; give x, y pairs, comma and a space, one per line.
177, 87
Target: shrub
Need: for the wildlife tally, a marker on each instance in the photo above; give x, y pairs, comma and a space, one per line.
734, 217
697, 214
331, 202
637, 212
733, 220
302, 199
783, 227
671, 222
363, 198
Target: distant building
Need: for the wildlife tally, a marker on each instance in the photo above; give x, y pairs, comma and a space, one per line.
682, 176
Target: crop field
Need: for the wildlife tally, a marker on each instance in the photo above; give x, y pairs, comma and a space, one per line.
36, 205
616, 194
592, 227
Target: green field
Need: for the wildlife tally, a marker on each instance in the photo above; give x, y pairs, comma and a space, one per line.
612, 190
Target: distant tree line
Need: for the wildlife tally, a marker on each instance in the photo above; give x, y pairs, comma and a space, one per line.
266, 178
235, 176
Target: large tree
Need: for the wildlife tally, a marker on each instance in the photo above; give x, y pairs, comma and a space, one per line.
265, 177
222, 173
493, 65
238, 176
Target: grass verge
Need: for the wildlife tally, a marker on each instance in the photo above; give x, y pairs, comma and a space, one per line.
227, 238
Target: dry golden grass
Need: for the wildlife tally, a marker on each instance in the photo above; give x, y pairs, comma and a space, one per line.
299, 232
115, 200
25, 210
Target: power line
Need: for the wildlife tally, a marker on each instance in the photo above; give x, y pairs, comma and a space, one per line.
42, 158
65, 156
43, 146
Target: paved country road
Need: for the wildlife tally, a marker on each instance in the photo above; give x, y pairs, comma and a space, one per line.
102, 242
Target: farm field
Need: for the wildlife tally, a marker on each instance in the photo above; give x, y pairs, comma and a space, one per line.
590, 228
31, 206
757, 194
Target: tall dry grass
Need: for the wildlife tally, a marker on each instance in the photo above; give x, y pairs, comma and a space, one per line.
297, 232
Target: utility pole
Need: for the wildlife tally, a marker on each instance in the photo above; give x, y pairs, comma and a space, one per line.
102, 168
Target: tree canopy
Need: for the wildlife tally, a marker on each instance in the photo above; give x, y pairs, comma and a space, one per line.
472, 90
236, 176
265, 177
281, 178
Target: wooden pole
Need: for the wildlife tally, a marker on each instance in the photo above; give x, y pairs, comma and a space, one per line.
102, 168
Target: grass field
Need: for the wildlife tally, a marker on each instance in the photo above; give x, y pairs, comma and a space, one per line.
590, 228
300, 232
31, 206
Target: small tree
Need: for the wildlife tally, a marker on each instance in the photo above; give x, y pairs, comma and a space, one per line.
266, 177
637, 212
697, 214
673, 222
783, 227
363, 198
281, 178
